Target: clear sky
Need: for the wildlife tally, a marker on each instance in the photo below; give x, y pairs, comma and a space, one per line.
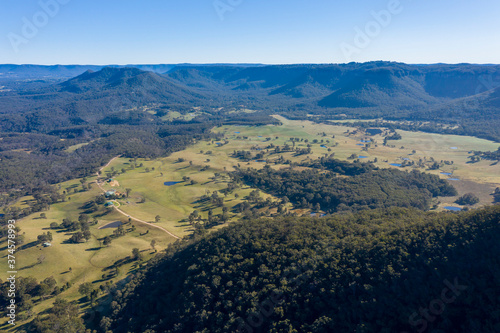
248, 31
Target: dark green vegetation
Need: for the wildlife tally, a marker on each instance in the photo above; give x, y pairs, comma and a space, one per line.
320, 187
464, 96
108, 108
49, 162
62, 318
489, 155
374, 271
102, 110
468, 199
395, 270
430, 96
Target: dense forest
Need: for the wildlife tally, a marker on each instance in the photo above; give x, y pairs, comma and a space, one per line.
102, 115
373, 260
323, 186
31, 161
460, 99
395, 270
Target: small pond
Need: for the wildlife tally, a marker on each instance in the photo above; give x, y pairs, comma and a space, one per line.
454, 209
170, 183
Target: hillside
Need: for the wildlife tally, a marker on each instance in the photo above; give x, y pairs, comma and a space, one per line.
378, 88
89, 97
463, 96
369, 272
26, 72
432, 81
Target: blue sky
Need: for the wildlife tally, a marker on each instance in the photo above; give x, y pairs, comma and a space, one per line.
248, 31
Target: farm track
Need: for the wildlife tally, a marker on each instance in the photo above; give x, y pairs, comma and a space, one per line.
127, 215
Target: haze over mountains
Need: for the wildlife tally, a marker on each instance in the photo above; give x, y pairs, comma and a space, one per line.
364, 272
68, 71
459, 95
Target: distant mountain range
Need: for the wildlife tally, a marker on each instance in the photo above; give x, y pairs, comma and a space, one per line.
68, 71
456, 94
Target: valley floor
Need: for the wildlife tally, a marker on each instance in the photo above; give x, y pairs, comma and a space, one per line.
160, 212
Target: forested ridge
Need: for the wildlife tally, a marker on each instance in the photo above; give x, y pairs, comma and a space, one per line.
382, 265
460, 99
395, 270
105, 112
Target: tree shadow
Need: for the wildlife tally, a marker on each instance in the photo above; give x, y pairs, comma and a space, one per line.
93, 249
28, 267
28, 245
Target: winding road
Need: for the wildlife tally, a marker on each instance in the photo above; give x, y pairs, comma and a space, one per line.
121, 211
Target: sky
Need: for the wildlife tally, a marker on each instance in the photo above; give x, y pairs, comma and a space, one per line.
248, 31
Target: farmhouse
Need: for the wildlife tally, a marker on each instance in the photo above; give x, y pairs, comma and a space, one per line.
110, 193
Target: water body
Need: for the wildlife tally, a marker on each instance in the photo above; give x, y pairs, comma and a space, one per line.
360, 144
446, 173
236, 132
218, 143
366, 141
170, 183
260, 136
260, 161
362, 156
453, 179
454, 209
453, 148
323, 146
396, 164
320, 215
115, 224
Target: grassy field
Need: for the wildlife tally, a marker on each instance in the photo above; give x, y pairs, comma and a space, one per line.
174, 203
77, 146
480, 178
88, 261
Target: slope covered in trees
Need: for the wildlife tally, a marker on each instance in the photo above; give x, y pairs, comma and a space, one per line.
365, 188
464, 96
395, 270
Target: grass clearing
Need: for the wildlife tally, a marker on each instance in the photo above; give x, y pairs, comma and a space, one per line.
413, 145
174, 203
87, 260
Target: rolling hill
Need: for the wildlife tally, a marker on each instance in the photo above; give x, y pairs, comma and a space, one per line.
89, 97
369, 272
461, 95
